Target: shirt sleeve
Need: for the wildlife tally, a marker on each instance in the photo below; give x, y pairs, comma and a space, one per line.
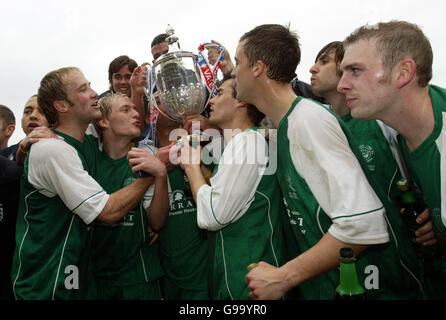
322, 156
233, 187
55, 169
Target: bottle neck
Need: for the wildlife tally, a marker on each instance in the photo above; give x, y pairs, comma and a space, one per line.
408, 197
349, 284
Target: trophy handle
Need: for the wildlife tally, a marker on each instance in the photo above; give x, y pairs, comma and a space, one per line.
154, 112
208, 71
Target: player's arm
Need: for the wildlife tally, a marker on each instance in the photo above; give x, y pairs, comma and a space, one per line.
137, 83
234, 185
55, 169
266, 282
142, 160
124, 200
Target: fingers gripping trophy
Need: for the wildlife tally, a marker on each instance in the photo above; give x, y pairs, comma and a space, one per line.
184, 83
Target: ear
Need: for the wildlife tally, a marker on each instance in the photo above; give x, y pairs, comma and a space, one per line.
406, 72
10, 130
61, 106
258, 68
242, 104
103, 123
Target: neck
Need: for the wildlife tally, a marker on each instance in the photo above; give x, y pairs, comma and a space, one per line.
4, 144
274, 99
116, 147
414, 118
75, 130
163, 132
237, 125
338, 103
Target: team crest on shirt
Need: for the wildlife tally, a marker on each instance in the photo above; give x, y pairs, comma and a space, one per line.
368, 154
292, 193
180, 204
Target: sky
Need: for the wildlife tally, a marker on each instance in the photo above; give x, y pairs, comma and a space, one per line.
38, 36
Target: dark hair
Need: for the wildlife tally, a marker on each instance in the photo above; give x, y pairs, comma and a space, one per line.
7, 115
255, 116
337, 47
159, 39
117, 64
277, 47
396, 40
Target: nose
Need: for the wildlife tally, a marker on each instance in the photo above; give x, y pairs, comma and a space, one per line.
314, 69
343, 84
94, 94
34, 115
212, 101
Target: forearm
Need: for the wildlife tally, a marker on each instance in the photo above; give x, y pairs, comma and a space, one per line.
227, 66
157, 211
124, 200
138, 99
196, 179
320, 259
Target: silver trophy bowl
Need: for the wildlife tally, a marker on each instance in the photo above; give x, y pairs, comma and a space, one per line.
180, 87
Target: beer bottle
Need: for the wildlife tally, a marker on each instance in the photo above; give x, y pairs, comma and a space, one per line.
349, 287
412, 209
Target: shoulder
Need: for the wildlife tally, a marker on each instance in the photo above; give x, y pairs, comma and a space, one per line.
6, 152
308, 109
249, 137
103, 94
54, 148
310, 114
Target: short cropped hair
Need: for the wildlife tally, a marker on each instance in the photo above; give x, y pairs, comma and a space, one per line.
117, 64
395, 41
6, 116
277, 47
159, 39
52, 89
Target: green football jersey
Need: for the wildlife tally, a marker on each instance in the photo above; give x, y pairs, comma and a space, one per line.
244, 207
183, 245
58, 200
121, 252
316, 167
427, 163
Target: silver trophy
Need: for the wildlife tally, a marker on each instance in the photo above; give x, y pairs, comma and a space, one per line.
181, 83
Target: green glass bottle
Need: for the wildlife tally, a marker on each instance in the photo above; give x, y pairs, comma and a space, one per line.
349, 287
412, 209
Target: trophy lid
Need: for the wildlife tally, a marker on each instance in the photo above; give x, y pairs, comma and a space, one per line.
172, 39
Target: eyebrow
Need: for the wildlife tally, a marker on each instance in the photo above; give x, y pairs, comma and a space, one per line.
127, 106
349, 66
87, 84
